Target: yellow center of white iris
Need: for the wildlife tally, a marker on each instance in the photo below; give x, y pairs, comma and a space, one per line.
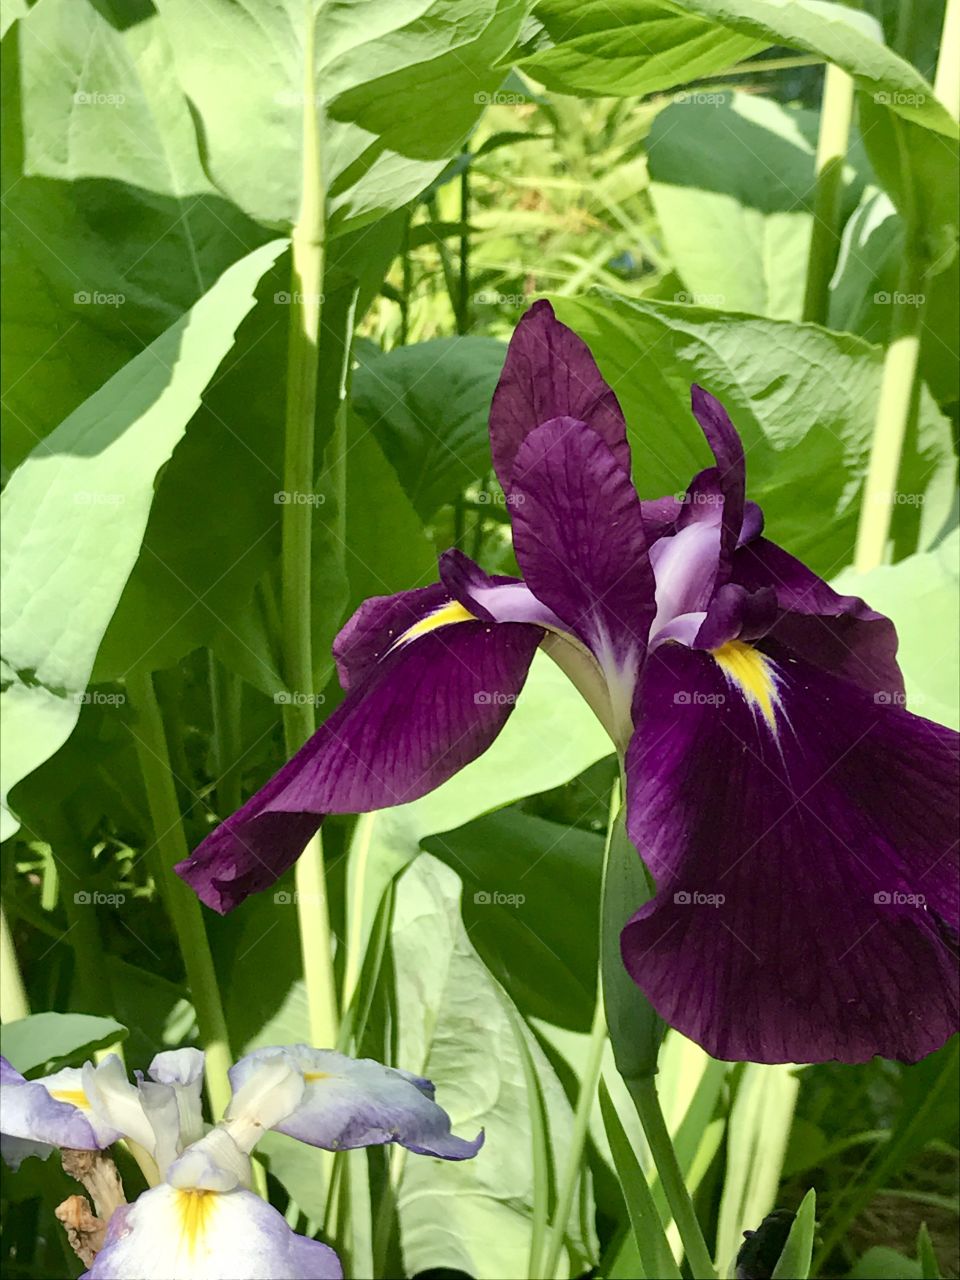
442, 617
76, 1097
310, 1076
194, 1209
752, 673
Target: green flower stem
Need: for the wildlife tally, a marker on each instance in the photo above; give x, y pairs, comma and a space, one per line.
836, 111
226, 697
647, 1102
307, 262
13, 995
581, 1120
153, 755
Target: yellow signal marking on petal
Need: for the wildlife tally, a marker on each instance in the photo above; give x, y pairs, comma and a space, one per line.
442, 617
751, 672
310, 1076
76, 1097
195, 1209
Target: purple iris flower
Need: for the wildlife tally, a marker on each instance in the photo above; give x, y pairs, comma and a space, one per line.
800, 824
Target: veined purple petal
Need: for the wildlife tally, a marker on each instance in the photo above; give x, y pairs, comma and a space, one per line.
31, 1112
737, 614
432, 704
579, 538
806, 862
550, 373
838, 633
171, 1233
499, 599
350, 1102
727, 448
366, 638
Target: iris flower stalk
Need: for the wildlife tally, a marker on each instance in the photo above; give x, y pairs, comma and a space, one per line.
798, 822
200, 1220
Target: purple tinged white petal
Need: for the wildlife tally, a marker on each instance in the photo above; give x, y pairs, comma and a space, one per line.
53, 1111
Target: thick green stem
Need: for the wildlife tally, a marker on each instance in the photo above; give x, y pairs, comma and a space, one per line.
946, 83
581, 1122
298, 482
836, 111
463, 290
13, 994
151, 746
647, 1102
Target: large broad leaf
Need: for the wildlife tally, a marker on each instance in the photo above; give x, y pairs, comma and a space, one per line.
111, 228
596, 47
922, 596
454, 1025
531, 905
428, 405
802, 398
52, 1040
401, 90
732, 182
550, 737
75, 513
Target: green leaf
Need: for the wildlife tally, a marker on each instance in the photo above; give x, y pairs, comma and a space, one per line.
929, 1266
881, 1263
529, 886
847, 37
922, 596
53, 1040
629, 47
757, 1134
75, 513
112, 228
400, 95
475, 1216
794, 1261
732, 181
802, 398
429, 405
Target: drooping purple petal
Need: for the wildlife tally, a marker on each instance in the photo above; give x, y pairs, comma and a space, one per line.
550, 373
350, 1102
727, 448
837, 633
432, 704
170, 1233
737, 614
494, 599
366, 637
579, 539
30, 1112
807, 873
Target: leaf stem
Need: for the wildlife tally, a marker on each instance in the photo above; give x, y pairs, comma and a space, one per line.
647, 1102
307, 264
150, 741
836, 112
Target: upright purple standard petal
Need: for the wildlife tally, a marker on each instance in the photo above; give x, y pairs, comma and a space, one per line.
579, 538
803, 837
727, 447
550, 373
351, 1102
436, 688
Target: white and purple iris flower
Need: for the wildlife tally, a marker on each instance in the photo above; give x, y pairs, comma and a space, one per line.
200, 1220
800, 824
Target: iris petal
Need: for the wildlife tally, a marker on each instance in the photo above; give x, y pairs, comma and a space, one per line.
807, 879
